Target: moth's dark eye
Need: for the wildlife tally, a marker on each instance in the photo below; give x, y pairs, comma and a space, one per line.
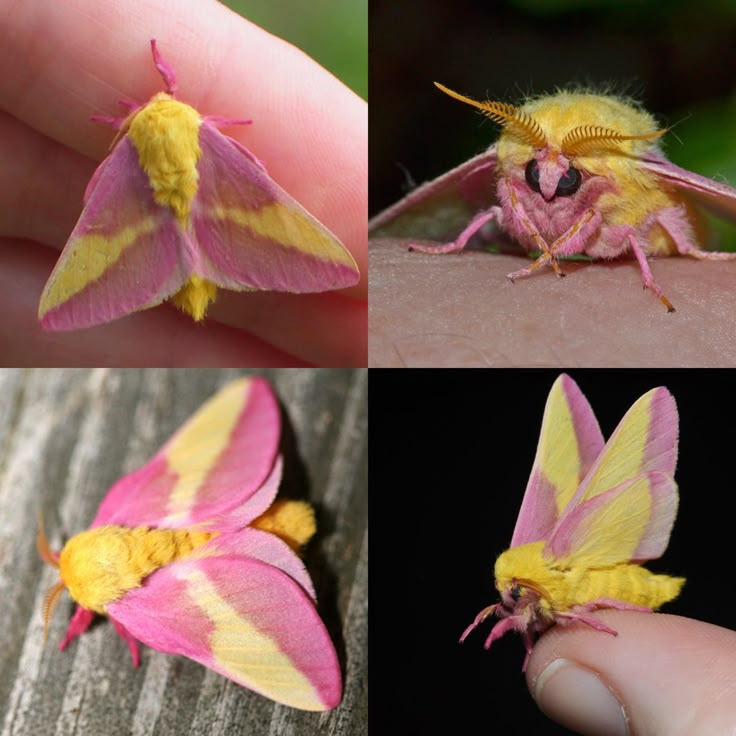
516, 593
532, 175
568, 184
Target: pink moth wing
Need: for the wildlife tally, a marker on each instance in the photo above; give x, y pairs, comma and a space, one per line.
648, 433
441, 208
569, 430
244, 590
716, 196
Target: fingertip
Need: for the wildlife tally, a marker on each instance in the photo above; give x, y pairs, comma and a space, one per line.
661, 674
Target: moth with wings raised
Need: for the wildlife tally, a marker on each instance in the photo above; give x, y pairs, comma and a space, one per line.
591, 514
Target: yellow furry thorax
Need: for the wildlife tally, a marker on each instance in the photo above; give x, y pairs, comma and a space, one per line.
165, 132
562, 588
100, 565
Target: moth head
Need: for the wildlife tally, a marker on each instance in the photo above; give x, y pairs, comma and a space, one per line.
54, 593
557, 140
521, 573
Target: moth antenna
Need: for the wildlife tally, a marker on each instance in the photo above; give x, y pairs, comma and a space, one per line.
49, 604
42, 545
522, 124
534, 586
585, 137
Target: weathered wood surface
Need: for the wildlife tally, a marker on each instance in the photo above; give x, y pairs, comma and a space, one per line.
65, 437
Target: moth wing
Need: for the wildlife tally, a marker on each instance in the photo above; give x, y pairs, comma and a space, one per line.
126, 252
631, 522
714, 195
218, 471
569, 442
441, 208
630, 482
252, 234
243, 618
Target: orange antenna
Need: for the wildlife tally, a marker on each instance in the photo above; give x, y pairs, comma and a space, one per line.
49, 603
513, 118
585, 137
42, 545
536, 587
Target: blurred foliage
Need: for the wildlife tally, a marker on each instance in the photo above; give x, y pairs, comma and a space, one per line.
332, 32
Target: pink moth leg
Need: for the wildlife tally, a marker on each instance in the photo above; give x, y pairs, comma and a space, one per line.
479, 619
80, 622
674, 221
164, 69
504, 625
594, 622
129, 639
523, 219
571, 242
528, 647
611, 603
473, 226
646, 272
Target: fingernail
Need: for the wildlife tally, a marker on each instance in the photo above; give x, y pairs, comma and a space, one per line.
578, 699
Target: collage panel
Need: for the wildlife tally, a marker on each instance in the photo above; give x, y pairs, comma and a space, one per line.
516, 142
184, 185
183, 551
452, 455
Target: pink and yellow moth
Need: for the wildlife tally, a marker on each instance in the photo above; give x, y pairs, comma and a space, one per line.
592, 512
571, 173
191, 555
178, 210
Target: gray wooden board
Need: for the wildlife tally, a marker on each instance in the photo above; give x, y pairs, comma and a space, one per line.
65, 436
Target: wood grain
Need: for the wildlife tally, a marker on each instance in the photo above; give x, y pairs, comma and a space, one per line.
65, 437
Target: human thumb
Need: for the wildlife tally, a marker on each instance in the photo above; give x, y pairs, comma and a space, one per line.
661, 676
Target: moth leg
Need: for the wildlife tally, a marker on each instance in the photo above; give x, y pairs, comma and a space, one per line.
523, 220
589, 620
528, 646
647, 273
462, 240
675, 223
504, 625
612, 603
80, 622
164, 69
479, 619
571, 242
129, 639
218, 120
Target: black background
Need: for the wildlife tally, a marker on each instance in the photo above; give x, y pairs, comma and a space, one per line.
450, 455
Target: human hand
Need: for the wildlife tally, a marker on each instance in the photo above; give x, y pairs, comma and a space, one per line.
64, 62
662, 674
461, 310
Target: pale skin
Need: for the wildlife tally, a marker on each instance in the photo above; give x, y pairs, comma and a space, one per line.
59, 69
686, 686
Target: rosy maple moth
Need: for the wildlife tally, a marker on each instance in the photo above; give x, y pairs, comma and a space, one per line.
178, 210
191, 555
591, 514
571, 173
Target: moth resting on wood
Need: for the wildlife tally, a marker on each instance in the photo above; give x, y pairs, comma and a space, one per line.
571, 173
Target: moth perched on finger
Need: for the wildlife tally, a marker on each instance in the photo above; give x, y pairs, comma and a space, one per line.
592, 513
572, 173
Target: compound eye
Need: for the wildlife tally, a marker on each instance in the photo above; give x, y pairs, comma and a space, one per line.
569, 183
532, 175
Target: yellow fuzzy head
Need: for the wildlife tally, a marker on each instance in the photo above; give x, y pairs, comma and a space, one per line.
524, 578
